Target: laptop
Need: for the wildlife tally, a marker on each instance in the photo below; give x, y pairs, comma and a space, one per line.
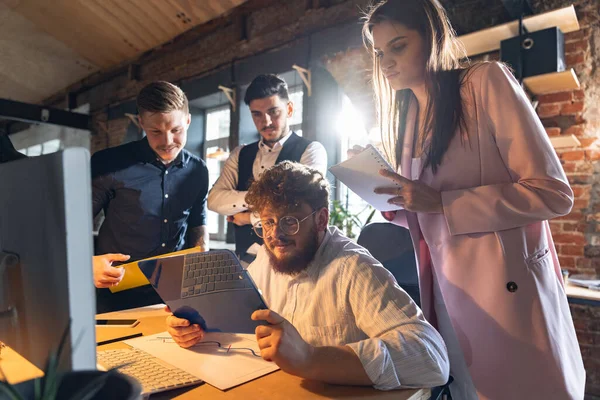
210, 289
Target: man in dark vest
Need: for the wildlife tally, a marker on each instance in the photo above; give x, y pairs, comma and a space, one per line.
271, 109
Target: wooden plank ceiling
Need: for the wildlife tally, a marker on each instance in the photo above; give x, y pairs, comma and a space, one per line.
47, 45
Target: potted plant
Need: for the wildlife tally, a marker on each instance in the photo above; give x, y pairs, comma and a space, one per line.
75, 385
345, 221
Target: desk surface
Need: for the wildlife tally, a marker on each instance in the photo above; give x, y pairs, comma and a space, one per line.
277, 385
588, 295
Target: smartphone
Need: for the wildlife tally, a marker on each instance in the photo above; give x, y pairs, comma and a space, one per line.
121, 323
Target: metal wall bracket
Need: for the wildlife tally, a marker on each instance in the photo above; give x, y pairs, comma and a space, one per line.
134, 119
230, 93
305, 75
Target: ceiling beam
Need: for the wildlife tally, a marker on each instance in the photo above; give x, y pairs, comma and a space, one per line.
517, 8
33, 113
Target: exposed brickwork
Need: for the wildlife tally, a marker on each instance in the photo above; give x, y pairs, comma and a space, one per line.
352, 70
576, 113
577, 236
107, 133
587, 326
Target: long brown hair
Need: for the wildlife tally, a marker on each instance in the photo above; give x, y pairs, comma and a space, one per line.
443, 78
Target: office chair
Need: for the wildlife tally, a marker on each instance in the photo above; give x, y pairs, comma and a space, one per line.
391, 245
442, 392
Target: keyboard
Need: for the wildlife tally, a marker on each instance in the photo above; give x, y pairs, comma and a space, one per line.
153, 374
213, 271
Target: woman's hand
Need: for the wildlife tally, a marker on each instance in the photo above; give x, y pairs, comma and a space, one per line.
412, 195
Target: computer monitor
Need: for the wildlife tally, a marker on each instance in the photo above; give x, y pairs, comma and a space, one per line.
46, 230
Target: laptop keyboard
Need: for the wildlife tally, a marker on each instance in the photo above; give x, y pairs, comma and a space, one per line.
210, 272
154, 375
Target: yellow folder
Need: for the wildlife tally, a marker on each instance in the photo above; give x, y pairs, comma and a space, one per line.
134, 277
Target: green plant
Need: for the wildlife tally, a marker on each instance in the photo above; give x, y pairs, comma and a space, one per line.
344, 220
46, 387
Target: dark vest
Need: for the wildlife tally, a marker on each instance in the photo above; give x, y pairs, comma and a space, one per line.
292, 150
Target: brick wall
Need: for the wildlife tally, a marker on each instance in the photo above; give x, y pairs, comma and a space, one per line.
107, 133
562, 114
577, 235
352, 71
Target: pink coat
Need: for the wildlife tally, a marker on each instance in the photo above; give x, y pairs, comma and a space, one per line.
492, 250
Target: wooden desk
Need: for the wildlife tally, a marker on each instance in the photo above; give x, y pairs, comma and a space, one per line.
276, 386
580, 295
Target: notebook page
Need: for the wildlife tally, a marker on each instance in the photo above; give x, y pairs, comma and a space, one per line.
361, 174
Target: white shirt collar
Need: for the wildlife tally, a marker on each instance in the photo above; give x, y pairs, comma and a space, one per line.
277, 146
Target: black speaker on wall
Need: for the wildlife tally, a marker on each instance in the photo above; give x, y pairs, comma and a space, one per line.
535, 53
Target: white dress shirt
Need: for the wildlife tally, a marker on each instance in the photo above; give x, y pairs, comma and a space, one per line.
346, 297
224, 199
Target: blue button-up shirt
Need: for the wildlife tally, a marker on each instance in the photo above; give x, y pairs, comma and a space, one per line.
148, 206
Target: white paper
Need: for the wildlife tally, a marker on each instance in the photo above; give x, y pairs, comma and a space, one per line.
215, 365
253, 249
588, 281
361, 174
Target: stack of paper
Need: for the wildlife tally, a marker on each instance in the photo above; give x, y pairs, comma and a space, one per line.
588, 281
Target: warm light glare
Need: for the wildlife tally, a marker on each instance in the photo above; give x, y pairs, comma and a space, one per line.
350, 123
219, 154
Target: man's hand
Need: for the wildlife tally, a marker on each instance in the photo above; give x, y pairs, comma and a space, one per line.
281, 343
354, 151
240, 219
184, 334
105, 275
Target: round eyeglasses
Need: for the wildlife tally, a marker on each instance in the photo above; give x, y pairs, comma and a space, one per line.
288, 225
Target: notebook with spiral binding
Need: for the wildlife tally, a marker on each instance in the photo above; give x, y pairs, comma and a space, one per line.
361, 174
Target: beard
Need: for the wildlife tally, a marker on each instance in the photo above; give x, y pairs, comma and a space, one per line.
297, 261
278, 135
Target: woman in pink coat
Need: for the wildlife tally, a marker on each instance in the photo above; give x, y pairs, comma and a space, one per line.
478, 181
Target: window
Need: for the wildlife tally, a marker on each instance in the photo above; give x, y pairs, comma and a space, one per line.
218, 121
50, 146
351, 130
297, 97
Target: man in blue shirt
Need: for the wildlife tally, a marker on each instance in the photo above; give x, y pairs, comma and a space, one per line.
153, 193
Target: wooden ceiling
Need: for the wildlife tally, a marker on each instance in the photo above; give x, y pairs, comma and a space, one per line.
46, 45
